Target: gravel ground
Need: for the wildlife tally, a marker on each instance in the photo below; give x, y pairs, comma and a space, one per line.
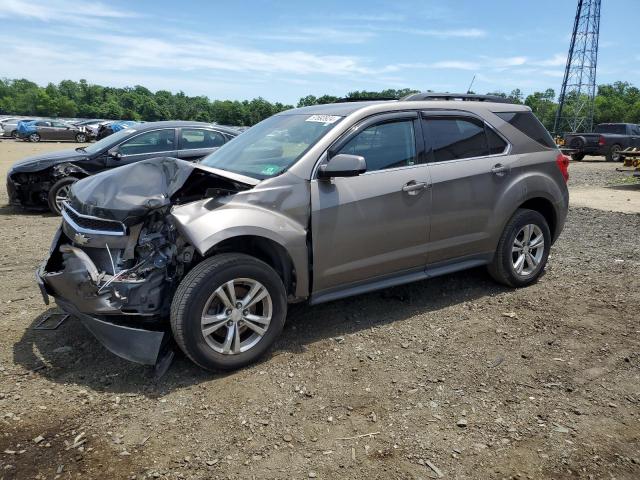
454, 377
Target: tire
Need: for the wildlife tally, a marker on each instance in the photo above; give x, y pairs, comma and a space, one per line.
196, 295
577, 157
81, 137
613, 154
502, 268
58, 191
34, 137
14, 134
577, 142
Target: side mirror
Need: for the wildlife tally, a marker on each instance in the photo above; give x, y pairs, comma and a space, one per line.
115, 154
343, 165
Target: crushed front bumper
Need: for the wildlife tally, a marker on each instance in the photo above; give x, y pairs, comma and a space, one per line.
138, 338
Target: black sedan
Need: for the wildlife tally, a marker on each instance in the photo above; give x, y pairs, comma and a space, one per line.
43, 181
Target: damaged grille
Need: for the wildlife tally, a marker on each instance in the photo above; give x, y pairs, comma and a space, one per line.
88, 224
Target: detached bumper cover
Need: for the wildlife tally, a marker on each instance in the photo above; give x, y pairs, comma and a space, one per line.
140, 345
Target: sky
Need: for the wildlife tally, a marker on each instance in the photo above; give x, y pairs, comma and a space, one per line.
284, 50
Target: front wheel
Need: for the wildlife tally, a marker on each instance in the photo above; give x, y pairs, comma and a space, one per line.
228, 311
523, 249
81, 138
59, 193
577, 157
34, 137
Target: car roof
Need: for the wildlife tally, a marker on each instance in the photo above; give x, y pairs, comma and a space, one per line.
180, 123
347, 108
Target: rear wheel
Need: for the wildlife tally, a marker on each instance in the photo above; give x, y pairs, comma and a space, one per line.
523, 249
577, 156
81, 138
613, 155
228, 311
34, 137
59, 193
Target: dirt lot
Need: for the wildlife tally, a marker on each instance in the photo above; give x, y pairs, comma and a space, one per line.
453, 377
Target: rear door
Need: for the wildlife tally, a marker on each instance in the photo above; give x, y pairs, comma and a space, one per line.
45, 130
195, 143
469, 167
148, 144
374, 225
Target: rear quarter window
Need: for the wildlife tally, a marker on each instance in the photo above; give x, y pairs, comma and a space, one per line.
528, 124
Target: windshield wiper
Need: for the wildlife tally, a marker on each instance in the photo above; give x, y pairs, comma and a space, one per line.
81, 149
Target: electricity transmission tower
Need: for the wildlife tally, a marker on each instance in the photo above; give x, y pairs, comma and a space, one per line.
575, 109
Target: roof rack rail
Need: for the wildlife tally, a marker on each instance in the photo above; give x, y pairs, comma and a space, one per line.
467, 97
362, 99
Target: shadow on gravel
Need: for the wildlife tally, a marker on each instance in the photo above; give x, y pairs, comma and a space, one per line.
7, 210
71, 355
628, 187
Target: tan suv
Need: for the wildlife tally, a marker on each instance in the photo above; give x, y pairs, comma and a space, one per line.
312, 204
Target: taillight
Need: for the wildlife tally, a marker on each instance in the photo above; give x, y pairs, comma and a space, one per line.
563, 164
601, 140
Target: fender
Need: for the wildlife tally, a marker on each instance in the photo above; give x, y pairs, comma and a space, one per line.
204, 228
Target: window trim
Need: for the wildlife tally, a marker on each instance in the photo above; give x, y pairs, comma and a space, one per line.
363, 124
142, 133
224, 137
425, 114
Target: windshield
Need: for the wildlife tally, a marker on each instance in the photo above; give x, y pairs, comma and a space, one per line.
109, 141
272, 146
619, 129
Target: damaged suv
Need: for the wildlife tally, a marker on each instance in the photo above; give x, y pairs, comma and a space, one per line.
312, 204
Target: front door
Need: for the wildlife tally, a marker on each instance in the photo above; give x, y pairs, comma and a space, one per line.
374, 225
153, 143
469, 169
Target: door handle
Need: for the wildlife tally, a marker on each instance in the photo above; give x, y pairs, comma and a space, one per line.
413, 187
500, 169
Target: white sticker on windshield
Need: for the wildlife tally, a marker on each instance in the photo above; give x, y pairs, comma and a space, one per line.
326, 119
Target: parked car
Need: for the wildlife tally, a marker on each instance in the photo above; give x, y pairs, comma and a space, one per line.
109, 128
36, 130
312, 204
43, 181
608, 139
10, 127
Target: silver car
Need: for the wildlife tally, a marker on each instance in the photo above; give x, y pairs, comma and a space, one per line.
310, 205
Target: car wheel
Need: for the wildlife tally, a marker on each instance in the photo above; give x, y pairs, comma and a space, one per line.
228, 311
613, 155
577, 156
81, 138
59, 193
14, 134
523, 249
34, 137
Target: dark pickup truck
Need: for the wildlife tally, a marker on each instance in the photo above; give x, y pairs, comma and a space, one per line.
608, 139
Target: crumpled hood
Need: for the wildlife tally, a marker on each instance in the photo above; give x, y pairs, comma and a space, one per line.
41, 162
130, 192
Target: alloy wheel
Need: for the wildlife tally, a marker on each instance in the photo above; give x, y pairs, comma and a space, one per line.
236, 316
527, 250
62, 195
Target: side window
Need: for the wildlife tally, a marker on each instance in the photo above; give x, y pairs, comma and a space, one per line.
496, 143
191, 138
528, 124
454, 138
386, 145
149, 142
43, 124
58, 124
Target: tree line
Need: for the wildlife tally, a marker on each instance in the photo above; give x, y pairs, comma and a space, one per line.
616, 102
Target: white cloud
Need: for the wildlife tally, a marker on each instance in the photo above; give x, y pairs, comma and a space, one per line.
455, 65
557, 60
65, 11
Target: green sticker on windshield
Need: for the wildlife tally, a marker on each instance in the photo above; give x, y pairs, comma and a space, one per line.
270, 170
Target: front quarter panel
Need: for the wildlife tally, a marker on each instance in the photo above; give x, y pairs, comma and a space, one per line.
277, 212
